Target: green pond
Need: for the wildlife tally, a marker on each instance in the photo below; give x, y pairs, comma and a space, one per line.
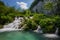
17, 35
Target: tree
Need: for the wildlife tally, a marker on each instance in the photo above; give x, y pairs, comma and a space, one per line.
1, 3
48, 6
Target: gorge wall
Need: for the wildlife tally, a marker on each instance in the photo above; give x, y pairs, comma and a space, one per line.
44, 6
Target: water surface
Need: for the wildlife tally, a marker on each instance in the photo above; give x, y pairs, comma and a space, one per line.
23, 36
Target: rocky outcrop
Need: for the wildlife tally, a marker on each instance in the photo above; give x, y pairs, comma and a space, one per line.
39, 6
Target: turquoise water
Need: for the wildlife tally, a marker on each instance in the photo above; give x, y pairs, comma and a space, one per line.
22, 36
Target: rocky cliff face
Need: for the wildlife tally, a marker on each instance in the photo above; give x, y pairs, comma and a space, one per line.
45, 6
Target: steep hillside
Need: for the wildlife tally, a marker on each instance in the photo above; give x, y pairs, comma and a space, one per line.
44, 6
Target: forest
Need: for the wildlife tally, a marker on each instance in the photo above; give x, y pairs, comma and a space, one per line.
48, 23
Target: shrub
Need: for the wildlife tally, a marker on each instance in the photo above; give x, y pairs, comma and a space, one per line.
1, 26
48, 6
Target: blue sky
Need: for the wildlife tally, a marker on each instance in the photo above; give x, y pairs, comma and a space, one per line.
17, 3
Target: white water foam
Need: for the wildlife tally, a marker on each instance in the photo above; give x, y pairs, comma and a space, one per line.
38, 30
12, 26
51, 35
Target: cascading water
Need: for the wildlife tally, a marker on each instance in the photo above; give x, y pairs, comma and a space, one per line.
56, 32
38, 30
52, 35
13, 26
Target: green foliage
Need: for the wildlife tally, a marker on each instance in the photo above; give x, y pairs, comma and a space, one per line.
48, 6
57, 23
30, 24
38, 17
27, 13
3, 9
47, 23
1, 3
1, 26
7, 14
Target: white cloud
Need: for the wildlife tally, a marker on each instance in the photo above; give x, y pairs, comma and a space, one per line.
22, 5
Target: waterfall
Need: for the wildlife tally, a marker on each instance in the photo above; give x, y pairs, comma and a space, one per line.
56, 32
13, 26
52, 35
38, 30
